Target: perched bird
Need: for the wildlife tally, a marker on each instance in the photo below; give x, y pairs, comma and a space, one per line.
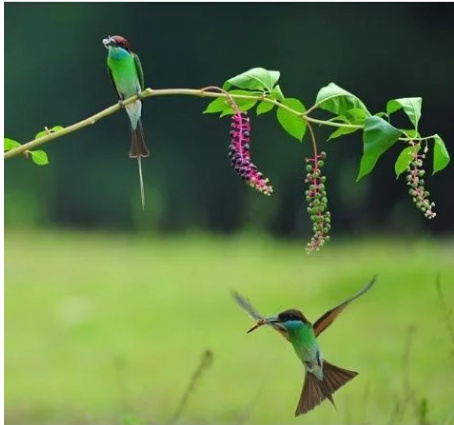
126, 73
322, 378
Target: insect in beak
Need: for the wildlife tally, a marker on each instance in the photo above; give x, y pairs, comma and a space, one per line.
262, 322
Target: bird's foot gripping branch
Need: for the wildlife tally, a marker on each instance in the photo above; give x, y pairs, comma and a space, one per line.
258, 88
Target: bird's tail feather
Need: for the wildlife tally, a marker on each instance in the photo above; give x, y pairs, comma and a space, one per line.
138, 150
138, 145
142, 191
315, 391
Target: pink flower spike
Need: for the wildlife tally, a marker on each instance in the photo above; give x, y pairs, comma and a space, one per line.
240, 155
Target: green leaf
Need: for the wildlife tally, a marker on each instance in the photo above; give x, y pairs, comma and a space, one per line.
341, 131
254, 79
412, 133
264, 107
243, 105
39, 157
43, 133
223, 105
276, 93
441, 154
382, 115
338, 101
404, 159
40, 134
411, 105
378, 137
357, 116
291, 123
9, 144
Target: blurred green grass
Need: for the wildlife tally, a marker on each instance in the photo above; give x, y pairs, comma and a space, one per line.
99, 326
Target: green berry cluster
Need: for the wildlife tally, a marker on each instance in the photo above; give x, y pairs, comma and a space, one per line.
415, 180
317, 202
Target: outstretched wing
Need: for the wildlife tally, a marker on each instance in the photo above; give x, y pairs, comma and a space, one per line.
247, 306
139, 71
324, 321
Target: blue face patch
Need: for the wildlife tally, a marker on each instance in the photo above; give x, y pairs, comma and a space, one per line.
117, 52
292, 324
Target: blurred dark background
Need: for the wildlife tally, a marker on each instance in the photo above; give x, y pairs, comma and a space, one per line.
55, 74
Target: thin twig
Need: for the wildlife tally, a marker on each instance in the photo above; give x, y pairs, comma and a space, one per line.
447, 312
205, 363
175, 92
119, 364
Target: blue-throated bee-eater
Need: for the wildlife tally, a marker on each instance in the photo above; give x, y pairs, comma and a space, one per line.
126, 73
322, 378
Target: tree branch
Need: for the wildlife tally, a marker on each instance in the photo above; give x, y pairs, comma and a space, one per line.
23, 148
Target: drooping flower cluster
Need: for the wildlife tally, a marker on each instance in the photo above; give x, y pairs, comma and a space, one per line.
240, 155
318, 202
415, 180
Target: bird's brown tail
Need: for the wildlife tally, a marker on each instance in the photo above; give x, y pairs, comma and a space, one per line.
138, 145
315, 391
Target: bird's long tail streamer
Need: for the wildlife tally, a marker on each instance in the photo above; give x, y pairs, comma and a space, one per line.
142, 191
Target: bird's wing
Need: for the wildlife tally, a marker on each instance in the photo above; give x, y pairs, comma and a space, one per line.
139, 71
247, 306
324, 321
120, 96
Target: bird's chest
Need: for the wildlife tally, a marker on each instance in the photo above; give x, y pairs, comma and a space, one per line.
124, 74
304, 343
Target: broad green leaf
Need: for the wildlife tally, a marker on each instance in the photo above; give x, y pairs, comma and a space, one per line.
342, 131
264, 107
404, 160
254, 79
441, 154
412, 133
217, 105
411, 105
223, 105
378, 137
338, 101
243, 105
357, 115
41, 133
383, 115
276, 93
39, 157
291, 123
9, 144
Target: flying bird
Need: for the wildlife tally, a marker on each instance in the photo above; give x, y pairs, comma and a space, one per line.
322, 379
126, 73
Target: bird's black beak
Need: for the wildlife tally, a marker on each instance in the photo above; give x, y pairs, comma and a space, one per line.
265, 321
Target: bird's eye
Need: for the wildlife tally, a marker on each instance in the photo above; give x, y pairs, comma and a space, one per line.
308, 364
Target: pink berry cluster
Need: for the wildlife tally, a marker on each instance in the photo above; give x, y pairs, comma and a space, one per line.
415, 180
240, 155
318, 202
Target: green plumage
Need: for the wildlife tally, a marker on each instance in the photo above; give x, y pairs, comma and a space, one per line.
322, 379
126, 74
303, 340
